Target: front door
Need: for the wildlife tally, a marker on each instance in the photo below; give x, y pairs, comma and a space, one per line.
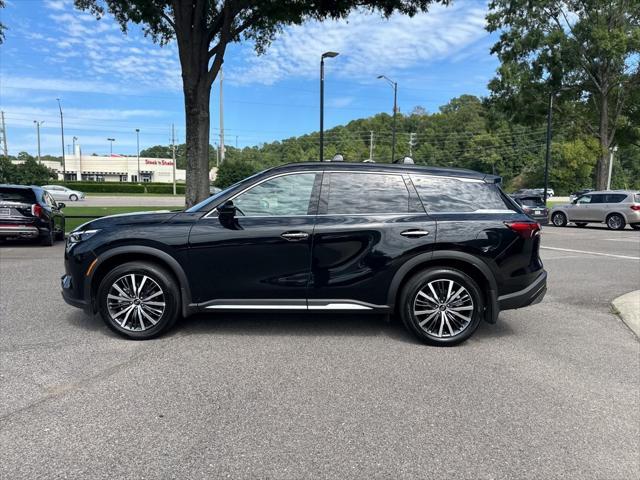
261, 259
368, 224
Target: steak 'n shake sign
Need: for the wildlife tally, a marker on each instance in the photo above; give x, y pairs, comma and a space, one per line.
167, 163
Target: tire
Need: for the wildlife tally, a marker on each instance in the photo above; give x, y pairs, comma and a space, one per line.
635, 226
581, 224
615, 221
138, 321
559, 219
73, 197
48, 239
448, 329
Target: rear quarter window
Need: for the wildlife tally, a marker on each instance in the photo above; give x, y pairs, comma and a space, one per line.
616, 197
19, 195
452, 195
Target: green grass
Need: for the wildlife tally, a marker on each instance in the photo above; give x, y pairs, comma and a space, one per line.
72, 223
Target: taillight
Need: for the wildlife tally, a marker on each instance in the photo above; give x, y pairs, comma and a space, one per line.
36, 210
635, 207
524, 229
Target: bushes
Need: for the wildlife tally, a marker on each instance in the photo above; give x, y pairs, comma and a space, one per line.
233, 171
124, 187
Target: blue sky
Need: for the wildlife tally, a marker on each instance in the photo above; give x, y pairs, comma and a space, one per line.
110, 83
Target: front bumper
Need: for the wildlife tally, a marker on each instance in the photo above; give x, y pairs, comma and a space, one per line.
530, 295
69, 292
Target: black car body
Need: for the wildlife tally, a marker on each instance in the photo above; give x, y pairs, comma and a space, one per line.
317, 237
30, 212
534, 206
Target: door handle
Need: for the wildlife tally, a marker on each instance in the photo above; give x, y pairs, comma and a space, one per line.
414, 233
295, 236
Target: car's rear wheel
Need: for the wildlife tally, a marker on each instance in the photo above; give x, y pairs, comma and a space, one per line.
73, 197
559, 219
581, 224
138, 300
615, 221
441, 306
48, 238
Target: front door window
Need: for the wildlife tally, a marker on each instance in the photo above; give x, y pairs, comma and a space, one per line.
288, 195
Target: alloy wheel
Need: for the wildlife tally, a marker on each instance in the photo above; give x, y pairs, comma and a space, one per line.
443, 308
136, 302
614, 222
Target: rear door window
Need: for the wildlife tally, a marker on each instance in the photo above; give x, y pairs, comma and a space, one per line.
454, 195
366, 193
616, 197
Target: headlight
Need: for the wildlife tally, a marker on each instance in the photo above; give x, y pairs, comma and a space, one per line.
80, 236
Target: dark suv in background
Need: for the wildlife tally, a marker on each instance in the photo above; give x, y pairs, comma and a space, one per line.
30, 212
443, 248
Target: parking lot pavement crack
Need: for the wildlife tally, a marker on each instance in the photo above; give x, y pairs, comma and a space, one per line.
72, 387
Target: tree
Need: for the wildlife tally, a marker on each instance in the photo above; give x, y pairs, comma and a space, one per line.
27, 172
589, 45
2, 26
204, 28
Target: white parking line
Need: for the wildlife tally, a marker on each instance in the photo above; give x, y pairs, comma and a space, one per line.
626, 257
634, 240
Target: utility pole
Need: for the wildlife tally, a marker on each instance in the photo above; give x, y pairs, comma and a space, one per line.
371, 145
37, 124
221, 120
217, 156
395, 112
611, 152
5, 150
547, 156
173, 155
236, 141
411, 143
138, 154
64, 161
73, 140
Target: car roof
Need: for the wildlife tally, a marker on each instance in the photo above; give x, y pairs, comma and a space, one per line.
25, 187
626, 192
387, 167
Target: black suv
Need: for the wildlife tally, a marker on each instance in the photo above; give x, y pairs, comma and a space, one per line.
30, 212
444, 248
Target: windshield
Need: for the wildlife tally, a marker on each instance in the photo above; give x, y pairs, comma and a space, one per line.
21, 195
203, 204
532, 202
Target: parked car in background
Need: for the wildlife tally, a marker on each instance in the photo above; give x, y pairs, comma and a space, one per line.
616, 208
443, 248
30, 212
540, 191
58, 192
534, 206
579, 193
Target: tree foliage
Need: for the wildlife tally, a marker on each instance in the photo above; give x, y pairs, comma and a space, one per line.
203, 29
587, 49
27, 172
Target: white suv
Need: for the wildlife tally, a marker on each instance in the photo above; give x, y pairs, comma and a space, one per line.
616, 208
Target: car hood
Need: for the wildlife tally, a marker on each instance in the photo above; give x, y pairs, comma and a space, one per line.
136, 218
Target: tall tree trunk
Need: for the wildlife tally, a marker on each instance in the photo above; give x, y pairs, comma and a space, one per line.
197, 140
602, 167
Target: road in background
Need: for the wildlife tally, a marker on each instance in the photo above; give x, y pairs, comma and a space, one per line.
550, 391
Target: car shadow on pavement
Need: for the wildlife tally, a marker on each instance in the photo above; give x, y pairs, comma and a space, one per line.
292, 324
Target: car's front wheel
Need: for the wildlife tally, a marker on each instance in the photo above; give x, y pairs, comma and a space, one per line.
442, 306
138, 300
559, 219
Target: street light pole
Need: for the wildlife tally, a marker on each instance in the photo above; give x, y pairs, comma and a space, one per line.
73, 152
111, 140
322, 57
395, 111
138, 154
38, 135
64, 163
611, 152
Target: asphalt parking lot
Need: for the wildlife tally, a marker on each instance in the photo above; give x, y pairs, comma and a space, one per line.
551, 391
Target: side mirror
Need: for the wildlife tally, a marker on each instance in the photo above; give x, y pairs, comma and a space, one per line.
61, 205
227, 215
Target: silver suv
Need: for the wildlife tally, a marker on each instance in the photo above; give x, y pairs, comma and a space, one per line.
616, 208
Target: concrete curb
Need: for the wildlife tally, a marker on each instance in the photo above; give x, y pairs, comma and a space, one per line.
627, 307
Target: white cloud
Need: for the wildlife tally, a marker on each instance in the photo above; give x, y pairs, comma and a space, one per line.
368, 45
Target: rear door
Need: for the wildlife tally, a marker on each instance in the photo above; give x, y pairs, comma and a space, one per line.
368, 225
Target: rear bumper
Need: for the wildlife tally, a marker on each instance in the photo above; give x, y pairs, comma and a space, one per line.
24, 231
531, 295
